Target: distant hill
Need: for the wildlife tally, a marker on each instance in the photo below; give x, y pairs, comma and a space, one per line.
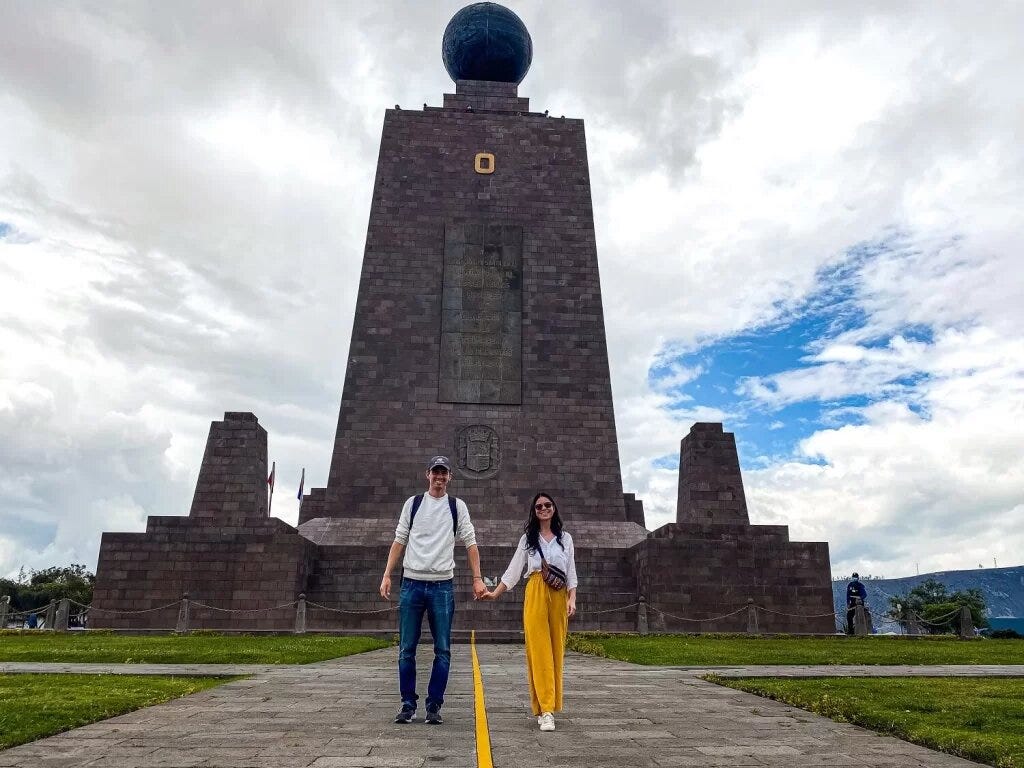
1003, 589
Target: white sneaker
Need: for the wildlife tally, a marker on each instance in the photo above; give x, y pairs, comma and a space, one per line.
546, 721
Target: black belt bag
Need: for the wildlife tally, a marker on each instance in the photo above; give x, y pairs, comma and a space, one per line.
552, 575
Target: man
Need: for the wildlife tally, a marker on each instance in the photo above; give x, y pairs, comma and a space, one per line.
426, 533
855, 594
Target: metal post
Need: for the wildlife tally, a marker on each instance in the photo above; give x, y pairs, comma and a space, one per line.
5, 604
860, 620
51, 614
641, 616
182, 627
300, 615
966, 622
752, 628
63, 611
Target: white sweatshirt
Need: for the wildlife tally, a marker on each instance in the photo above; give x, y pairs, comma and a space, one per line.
430, 545
525, 562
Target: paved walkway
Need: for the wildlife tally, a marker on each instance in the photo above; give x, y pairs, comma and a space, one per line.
337, 714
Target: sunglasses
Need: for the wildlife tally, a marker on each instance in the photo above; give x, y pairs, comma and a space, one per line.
543, 505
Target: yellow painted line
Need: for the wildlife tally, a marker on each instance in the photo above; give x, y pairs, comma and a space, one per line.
483, 735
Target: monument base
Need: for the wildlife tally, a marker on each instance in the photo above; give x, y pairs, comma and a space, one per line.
244, 570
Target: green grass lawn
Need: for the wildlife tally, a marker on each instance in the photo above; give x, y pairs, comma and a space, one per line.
977, 718
726, 650
33, 706
102, 647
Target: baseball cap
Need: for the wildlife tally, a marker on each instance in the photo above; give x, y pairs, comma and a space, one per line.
440, 461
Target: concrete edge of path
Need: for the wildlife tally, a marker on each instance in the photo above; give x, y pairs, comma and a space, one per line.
760, 670
188, 670
860, 670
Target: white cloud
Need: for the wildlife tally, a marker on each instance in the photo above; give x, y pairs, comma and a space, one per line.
189, 187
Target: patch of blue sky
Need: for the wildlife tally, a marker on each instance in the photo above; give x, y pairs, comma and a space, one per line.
717, 374
5, 229
668, 461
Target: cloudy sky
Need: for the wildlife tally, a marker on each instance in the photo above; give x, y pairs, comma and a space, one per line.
808, 222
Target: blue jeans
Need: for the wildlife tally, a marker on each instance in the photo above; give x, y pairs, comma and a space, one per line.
437, 600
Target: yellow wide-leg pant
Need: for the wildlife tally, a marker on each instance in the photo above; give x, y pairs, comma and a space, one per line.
545, 623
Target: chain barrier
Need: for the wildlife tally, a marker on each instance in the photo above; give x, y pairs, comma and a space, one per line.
901, 622
938, 621
197, 604
15, 614
340, 610
608, 610
881, 620
709, 618
94, 609
797, 615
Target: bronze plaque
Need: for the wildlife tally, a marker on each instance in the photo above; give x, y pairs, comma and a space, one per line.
482, 315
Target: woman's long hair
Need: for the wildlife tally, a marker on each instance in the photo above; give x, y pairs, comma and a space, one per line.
532, 526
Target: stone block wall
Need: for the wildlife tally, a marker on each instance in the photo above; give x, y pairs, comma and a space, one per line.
245, 567
634, 509
703, 571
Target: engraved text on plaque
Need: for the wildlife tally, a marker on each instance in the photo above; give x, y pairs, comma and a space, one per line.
482, 315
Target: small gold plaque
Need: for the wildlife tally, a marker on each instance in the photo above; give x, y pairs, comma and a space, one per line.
484, 162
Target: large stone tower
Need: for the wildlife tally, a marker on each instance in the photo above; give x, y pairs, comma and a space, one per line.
479, 334
479, 331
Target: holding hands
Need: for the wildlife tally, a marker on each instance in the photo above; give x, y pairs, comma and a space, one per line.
492, 594
497, 592
479, 588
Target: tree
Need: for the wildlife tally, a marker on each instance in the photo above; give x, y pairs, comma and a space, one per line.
936, 608
41, 587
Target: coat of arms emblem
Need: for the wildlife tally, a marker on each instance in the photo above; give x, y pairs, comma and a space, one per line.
478, 450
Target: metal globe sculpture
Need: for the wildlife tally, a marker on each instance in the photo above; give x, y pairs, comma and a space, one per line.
486, 41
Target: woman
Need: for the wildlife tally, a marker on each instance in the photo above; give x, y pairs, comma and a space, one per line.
546, 610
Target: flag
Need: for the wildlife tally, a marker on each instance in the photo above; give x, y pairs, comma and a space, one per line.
302, 482
270, 478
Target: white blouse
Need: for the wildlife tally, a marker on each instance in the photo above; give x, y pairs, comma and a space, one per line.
524, 562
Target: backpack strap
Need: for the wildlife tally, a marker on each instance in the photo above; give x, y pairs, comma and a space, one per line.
416, 501
452, 501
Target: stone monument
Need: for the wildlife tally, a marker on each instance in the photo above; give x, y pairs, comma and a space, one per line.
478, 333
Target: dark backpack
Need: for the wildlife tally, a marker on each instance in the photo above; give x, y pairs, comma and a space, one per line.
417, 500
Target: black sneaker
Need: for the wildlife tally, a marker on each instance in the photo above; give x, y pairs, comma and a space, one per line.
407, 715
433, 715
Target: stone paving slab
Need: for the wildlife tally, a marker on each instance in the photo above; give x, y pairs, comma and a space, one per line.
338, 714
334, 713
619, 714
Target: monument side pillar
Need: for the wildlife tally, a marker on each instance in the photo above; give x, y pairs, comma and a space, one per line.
232, 484
710, 483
